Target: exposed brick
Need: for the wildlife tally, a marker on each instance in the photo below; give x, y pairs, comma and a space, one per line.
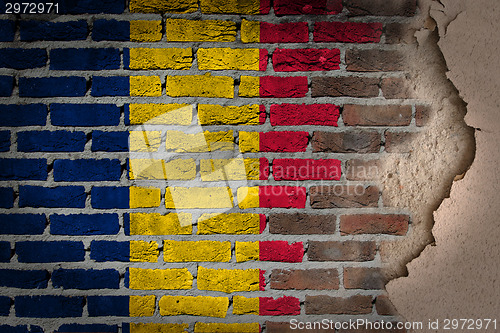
6, 85
110, 141
374, 60
110, 197
363, 170
304, 169
301, 224
86, 279
23, 58
285, 305
377, 115
345, 86
282, 197
292, 60
354, 305
374, 224
111, 30
5, 305
302, 114
285, 141
396, 88
298, 7
347, 32
346, 142
7, 30
341, 251
273, 86
381, 7
22, 224
249, 7
55, 197
180, 30
200, 86
84, 114
71, 86
23, 115
281, 251
43, 251
47, 141
363, 278
99, 306
288, 32
384, 306
6, 197
398, 33
5, 251
57, 31
422, 115
87, 170
91, 59
49, 306
400, 142
4, 141
101, 251
84, 225
173, 6
23, 169
315, 279
25, 279
343, 196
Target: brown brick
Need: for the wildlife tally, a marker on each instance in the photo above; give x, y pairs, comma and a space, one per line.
323, 304
381, 7
301, 224
376, 115
346, 142
345, 86
363, 169
400, 142
422, 115
385, 307
341, 251
396, 88
343, 196
374, 224
316, 279
398, 33
284, 327
374, 61
363, 278
373, 330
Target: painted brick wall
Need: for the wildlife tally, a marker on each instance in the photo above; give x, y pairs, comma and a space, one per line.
199, 166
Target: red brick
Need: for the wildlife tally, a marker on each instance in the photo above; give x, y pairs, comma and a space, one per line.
281, 251
375, 61
301, 224
345, 86
346, 142
381, 7
422, 115
363, 169
302, 114
298, 7
343, 196
384, 306
341, 251
397, 33
347, 32
354, 305
282, 306
400, 142
281, 87
262, 279
363, 278
314, 279
297, 32
304, 169
294, 60
391, 224
282, 197
263, 168
377, 115
283, 141
396, 88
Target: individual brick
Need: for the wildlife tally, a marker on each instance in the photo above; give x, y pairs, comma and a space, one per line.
86, 115
181, 30
194, 305
304, 114
99, 306
294, 7
24, 279
250, 7
314, 279
142, 251
222, 327
363, 170
246, 251
347, 32
6, 197
349, 86
22, 224
399, 33
263, 32
391, 224
346, 142
377, 115
110, 86
53, 31
90, 59
84, 225
232, 59
144, 141
109, 141
102, 251
23, 115
363, 278
6, 85
381, 8
281, 251
23, 169
7, 30
198, 251
373, 60
55, 197
5, 252
273, 86
343, 196
304, 169
234, 169
354, 305
181, 142
384, 306
228, 280
146, 169
396, 88
97, 328
21, 328
47, 141
160, 6
145, 31
400, 142
158, 114
153, 327
144, 197
145, 86
112, 30
109, 197
271, 197
23, 58
157, 224
210, 114
87, 170
198, 197
164, 58
341, 251
49, 306
232, 224
85, 279
283, 141
294, 60
42, 251
4, 141
245, 306
200, 86
283, 306
159, 279
5, 305
301, 224
422, 115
